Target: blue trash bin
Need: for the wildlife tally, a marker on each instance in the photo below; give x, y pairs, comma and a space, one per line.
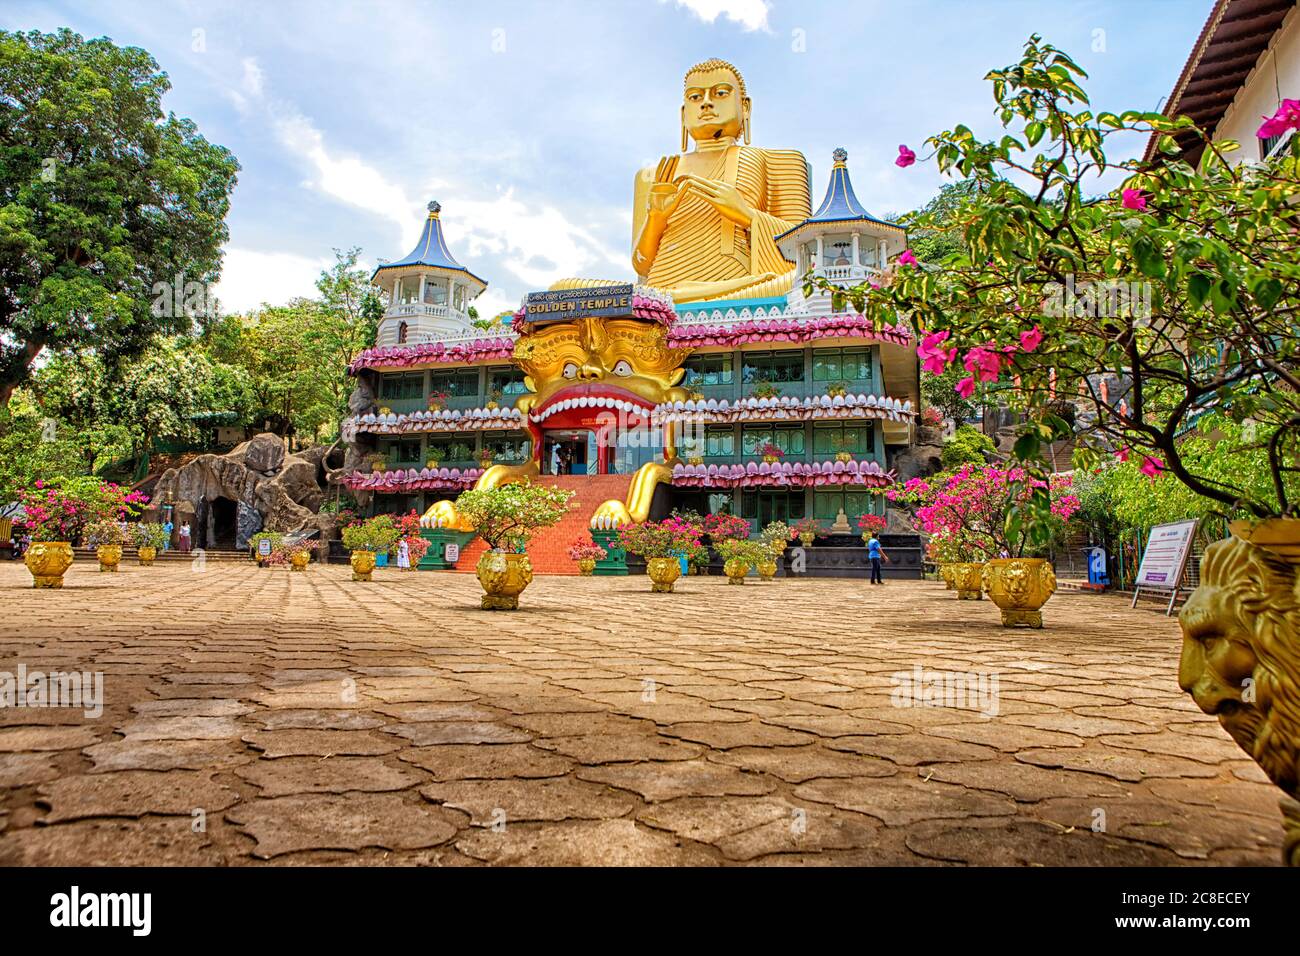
381, 559
683, 560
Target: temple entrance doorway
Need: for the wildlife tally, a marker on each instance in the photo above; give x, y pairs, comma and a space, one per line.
223, 523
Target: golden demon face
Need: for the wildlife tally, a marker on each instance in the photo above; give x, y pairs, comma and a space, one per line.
577, 370
1237, 661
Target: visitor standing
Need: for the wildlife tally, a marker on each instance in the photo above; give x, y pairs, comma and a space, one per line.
168, 528
185, 538
403, 556
876, 554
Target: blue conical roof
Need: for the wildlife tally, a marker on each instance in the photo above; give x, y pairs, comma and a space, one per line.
840, 204
431, 249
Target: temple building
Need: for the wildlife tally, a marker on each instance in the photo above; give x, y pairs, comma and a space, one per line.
711, 381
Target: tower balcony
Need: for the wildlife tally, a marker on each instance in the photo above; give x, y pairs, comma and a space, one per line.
410, 310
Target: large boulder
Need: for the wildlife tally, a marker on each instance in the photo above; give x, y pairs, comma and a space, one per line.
264, 453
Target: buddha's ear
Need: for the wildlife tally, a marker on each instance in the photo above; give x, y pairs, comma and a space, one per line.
745, 104
685, 142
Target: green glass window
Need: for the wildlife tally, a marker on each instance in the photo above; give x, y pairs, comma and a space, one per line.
719, 442
705, 370
775, 367
787, 437
505, 448
842, 365
449, 450
506, 380
457, 383
859, 440
406, 385
406, 451
764, 507
827, 504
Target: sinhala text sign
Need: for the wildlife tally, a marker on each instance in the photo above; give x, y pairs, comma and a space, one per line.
1165, 558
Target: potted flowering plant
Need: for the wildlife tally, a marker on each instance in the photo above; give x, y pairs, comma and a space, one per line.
741, 554
661, 544
775, 535
438, 401
764, 389
367, 539
721, 526
410, 546
837, 389
148, 537
843, 448
870, 524
586, 552
771, 453
805, 529
107, 536
506, 517
298, 554
58, 512
696, 551
273, 538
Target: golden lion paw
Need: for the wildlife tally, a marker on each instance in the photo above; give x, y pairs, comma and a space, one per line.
443, 514
611, 514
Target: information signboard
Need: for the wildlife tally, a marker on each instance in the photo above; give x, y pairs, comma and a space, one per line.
1164, 560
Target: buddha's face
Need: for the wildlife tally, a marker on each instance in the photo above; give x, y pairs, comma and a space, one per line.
713, 107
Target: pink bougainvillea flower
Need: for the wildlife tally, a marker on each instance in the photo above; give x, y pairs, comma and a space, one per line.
1152, 467
1133, 199
966, 387
1287, 117
984, 362
1032, 339
905, 157
1122, 455
907, 259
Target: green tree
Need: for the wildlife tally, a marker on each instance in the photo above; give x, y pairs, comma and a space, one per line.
106, 202
967, 446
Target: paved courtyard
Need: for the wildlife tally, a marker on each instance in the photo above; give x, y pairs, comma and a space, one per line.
263, 716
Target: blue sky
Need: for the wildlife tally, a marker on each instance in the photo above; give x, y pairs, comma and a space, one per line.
528, 120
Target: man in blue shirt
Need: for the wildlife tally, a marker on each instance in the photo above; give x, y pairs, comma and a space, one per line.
875, 552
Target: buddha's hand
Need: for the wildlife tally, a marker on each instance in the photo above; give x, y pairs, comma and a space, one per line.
665, 193
724, 197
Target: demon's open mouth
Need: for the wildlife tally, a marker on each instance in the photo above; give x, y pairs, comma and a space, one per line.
595, 396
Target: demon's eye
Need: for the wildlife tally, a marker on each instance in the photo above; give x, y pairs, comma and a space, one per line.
570, 370
623, 368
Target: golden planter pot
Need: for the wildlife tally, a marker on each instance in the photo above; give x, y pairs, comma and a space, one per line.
777, 546
299, 560
844, 456
48, 561
663, 572
110, 556
1020, 587
807, 538
968, 579
946, 575
1241, 652
504, 577
771, 460
767, 569
146, 556
586, 567
736, 570
363, 564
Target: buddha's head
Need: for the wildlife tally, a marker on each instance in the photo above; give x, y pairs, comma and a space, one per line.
1237, 662
715, 106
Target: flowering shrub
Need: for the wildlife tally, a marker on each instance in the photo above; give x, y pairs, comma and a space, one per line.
61, 509
416, 546
275, 537
775, 531
507, 516
721, 526
750, 552
768, 450
869, 523
585, 549
373, 534
1172, 295
660, 539
765, 390
981, 509
932, 417
147, 534
807, 526
106, 531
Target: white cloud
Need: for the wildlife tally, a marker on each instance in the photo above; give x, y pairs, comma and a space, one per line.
250, 278
750, 14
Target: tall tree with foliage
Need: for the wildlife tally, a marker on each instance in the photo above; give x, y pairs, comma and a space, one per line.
106, 201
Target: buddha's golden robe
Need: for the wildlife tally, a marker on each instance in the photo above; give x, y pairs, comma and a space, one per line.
702, 255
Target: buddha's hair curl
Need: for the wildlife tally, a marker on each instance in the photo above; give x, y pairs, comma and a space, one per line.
715, 64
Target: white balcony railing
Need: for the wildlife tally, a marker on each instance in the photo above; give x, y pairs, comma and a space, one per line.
854, 274
406, 310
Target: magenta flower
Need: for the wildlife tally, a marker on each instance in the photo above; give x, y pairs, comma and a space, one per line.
1152, 467
1032, 339
984, 362
1286, 117
1133, 199
966, 387
905, 157
907, 259
1122, 454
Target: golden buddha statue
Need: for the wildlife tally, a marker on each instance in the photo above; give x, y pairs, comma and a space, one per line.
704, 223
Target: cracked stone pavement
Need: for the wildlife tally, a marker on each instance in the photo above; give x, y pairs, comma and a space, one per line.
262, 716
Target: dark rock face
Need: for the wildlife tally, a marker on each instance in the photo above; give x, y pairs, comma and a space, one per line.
271, 490
247, 523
